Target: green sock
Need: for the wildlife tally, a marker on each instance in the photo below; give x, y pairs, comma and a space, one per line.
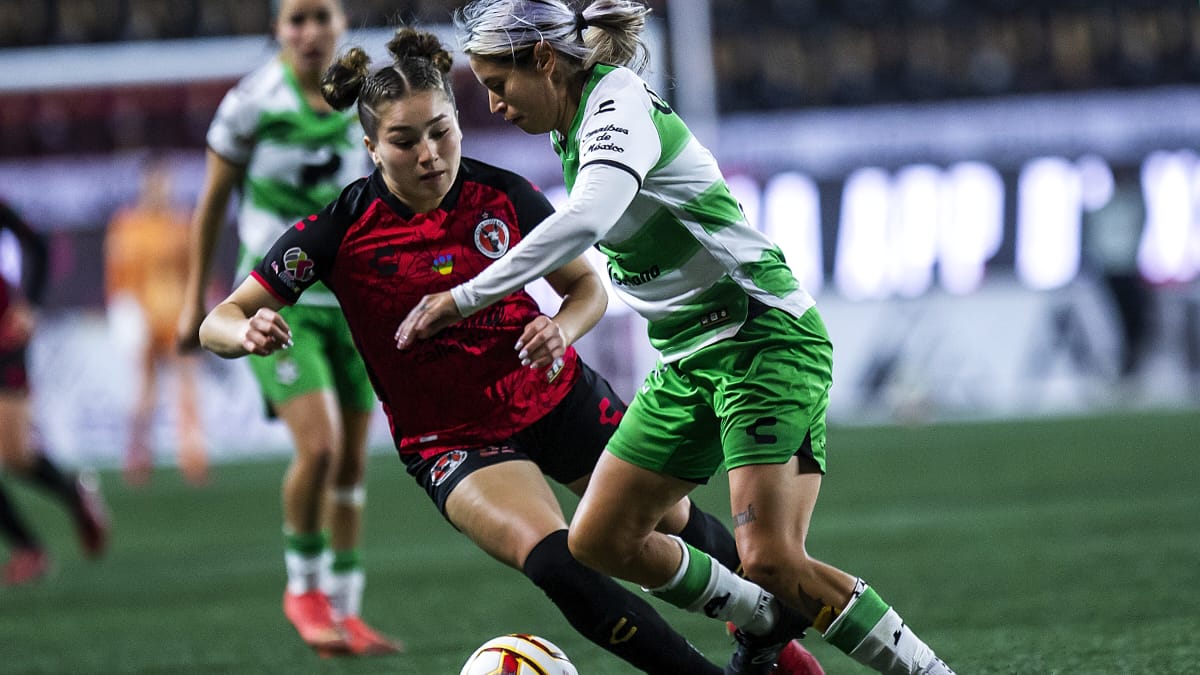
872, 633
705, 586
306, 543
857, 620
346, 560
690, 581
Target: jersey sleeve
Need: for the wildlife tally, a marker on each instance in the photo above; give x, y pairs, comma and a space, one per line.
231, 134
301, 256
618, 130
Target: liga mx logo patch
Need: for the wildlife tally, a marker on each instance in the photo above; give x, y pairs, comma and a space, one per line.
492, 237
297, 266
446, 464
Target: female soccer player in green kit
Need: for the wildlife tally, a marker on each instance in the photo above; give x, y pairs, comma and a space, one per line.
746, 361
276, 139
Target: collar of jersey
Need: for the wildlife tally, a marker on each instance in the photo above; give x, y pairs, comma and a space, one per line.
448, 202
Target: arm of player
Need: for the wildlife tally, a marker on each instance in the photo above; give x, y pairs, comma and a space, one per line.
546, 339
601, 195
247, 322
220, 177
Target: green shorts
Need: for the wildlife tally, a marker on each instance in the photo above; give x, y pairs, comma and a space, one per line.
757, 398
322, 357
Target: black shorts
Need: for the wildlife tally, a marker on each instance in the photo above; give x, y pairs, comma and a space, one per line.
565, 444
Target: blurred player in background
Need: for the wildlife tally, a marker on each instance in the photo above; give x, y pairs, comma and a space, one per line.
145, 253
19, 454
289, 153
1111, 237
746, 361
475, 421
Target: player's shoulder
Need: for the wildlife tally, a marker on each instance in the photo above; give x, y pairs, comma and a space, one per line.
354, 201
265, 78
505, 180
616, 76
259, 87
614, 82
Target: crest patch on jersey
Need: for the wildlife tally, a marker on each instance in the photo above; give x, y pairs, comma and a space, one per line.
492, 237
444, 264
446, 464
297, 266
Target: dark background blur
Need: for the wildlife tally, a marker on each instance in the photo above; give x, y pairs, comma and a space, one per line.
937, 171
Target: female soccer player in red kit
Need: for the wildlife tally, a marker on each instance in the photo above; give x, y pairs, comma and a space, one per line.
18, 452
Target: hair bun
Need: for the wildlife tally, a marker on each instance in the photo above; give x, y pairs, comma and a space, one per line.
409, 43
343, 81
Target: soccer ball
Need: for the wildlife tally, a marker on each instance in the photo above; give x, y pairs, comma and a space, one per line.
518, 654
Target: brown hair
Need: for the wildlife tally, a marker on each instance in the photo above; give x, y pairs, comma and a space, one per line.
419, 63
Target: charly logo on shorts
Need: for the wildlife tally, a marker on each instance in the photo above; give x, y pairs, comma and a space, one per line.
286, 372
446, 464
491, 237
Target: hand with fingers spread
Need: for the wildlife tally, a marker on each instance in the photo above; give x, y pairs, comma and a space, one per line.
266, 332
542, 343
433, 313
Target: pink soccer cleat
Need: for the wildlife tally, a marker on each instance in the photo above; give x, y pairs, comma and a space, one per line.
365, 641
796, 660
25, 566
312, 615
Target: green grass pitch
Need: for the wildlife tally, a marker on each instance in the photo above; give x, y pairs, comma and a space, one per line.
1055, 546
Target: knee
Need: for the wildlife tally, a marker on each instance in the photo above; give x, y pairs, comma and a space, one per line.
583, 546
775, 568
321, 457
605, 553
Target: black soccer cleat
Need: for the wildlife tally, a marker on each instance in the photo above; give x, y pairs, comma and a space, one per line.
759, 654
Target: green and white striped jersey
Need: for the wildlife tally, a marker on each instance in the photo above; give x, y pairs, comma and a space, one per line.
297, 160
682, 254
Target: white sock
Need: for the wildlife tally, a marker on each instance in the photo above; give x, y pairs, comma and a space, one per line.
892, 648
705, 586
304, 573
345, 591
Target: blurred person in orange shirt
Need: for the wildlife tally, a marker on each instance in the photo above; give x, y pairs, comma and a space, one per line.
146, 273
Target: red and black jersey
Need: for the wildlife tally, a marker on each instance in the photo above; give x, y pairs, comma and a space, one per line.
465, 386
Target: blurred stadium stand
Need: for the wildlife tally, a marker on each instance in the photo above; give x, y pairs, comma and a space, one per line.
769, 55
888, 145
773, 53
